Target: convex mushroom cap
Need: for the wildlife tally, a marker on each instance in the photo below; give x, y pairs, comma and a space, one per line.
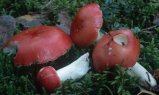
116, 47
86, 25
40, 44
48, 78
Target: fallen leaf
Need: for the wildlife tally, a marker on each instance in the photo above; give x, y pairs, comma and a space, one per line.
27, 17
64, 21
28, 21
7, 28
31, 20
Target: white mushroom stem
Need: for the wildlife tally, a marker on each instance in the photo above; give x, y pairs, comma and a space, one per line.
147, 80
76, 69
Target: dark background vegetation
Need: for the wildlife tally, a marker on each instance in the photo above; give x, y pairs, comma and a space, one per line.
139, 15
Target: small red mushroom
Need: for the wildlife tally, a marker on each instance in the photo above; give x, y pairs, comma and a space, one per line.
48, 78
121, 47
40, 44
51, 79
86, 25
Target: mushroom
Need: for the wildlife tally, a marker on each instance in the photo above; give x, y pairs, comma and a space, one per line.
39, 44
50, 79
86, 25
121, 47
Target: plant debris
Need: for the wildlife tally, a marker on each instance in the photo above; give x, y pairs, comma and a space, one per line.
31, 20
7, 28
64, 21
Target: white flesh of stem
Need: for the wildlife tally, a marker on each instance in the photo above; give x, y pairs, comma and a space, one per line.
120, 39
147, 80
76, 69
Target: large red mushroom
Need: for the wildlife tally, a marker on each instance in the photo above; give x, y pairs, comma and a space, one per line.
39, 44
51, 79
86, 25
121, 47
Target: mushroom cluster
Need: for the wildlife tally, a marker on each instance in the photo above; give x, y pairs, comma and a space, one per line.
42, 44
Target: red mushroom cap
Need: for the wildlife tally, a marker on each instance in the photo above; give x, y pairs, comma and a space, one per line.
40, 44
48, 78
117, 47
86, 25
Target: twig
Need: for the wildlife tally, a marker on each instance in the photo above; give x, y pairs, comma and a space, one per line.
47, 4
145, 91
151, 27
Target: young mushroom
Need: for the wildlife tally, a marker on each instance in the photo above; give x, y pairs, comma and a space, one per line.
38, 44
86, 25
50, 79
121, 47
